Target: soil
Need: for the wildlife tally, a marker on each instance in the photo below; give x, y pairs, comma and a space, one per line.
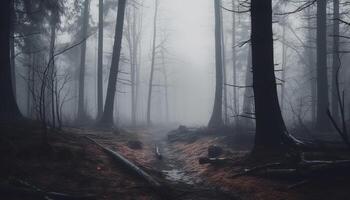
71, 164
68, 164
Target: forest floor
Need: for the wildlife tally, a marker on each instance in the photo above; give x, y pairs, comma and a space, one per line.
73, 165
70, 164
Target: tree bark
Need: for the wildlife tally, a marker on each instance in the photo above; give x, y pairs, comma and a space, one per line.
8, 107
225, 108
216, 117
13, 52
150, 85
322, 122
107, 117
81, 102
336, 60
234, 66
52, 69
100, 61
270, 125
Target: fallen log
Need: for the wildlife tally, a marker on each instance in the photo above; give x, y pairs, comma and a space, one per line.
131, 166
255, 169
214, 161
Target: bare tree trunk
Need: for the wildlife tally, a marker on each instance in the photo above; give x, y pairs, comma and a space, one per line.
312, 67
234, 66
270, 125
51, 73
132, 37
100, 61
150, 85
322, 81
226, 121
12, 53
216, 117
107, 117
8, 106
336, 60
81, 102
165, 74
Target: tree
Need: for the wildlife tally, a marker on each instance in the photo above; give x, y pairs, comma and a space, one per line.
81, 105
234, 58
107, 116
270, 126
336, 59
216, 117
150, 85
100, 60
133, 36
8, 107
322, 121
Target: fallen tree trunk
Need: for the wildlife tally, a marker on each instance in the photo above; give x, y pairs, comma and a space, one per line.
131, 167
214, 161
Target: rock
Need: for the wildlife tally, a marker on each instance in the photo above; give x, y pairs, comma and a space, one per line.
134, 144
214, 151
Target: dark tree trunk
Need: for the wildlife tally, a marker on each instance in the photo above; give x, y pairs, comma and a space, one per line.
336, 60
8, 107
150, 85
51, 88
107, 117
216, 117
311, 57
225, 108
270, 126
322, 122
234, 66
81, 102
12, 53
100, 61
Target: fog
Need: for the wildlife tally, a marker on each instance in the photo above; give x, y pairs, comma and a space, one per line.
187, 27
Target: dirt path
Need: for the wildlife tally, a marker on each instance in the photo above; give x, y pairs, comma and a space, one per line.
169, 170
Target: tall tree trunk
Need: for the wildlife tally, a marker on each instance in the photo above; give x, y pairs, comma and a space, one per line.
270, 125
322, 82
336, 59
150, 85
226, 121
311, 57
234, 66
8, 107
107, 117
13, 52
216, 117
100, 61
132, 39
52, 69
81, 102
166, 87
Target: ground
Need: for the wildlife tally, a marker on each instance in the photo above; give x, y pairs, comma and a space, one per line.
74, 165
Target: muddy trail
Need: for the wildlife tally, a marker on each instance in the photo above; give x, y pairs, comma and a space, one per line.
168, 169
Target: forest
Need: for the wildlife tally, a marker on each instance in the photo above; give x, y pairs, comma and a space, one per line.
174, 99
